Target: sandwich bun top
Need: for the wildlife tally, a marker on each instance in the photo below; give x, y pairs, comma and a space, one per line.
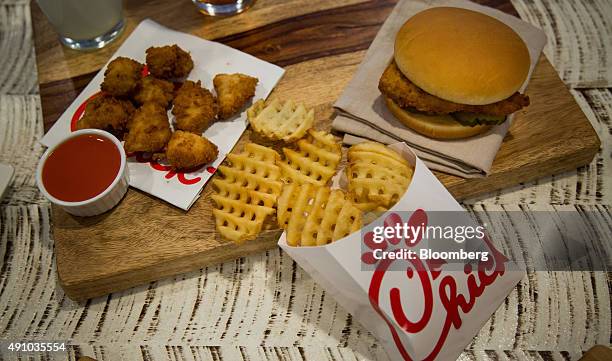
461, 55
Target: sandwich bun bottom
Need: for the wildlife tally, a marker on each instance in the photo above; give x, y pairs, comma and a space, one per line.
434, 126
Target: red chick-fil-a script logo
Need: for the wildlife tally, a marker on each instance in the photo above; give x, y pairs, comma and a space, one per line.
428, 273
181, 176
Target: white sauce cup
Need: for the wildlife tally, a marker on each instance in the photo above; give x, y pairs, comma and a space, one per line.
104, 201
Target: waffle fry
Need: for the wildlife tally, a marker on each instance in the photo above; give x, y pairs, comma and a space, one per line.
315, 216
287, 122
246, 195
377, 176
315, 161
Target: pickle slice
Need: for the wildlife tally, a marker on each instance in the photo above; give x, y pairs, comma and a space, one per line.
474, 119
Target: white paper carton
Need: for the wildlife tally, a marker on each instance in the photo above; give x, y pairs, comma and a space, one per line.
210, 58
427, 311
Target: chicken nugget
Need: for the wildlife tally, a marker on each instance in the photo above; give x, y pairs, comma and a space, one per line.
121, 77
169, 62
149, 129
107, 113
233, 92
155, 90
194, 108
187, 150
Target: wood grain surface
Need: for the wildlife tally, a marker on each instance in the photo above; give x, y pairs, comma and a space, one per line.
581, 60
598, 353
320, 48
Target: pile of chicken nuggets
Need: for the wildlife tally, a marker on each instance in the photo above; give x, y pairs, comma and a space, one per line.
134, 106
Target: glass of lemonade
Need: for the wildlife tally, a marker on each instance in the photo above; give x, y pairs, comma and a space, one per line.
85, 24
222, 7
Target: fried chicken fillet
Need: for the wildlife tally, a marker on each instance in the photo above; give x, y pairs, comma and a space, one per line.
107, 113
154, 90
169, 62
406, 94
233, 92
194, 107
121, 77
149, 129
187, 150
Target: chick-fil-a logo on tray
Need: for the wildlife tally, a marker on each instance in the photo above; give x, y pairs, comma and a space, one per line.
171, 173
182, 176
429, 274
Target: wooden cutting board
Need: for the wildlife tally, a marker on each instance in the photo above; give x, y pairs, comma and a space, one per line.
598, 353
320, 44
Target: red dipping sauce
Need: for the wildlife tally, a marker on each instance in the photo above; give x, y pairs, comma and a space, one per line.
81, 168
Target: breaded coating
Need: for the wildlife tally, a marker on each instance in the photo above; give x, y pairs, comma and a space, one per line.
187, 150
169, 62
194, 107
107, 113
121, 77
155, 90
406, 94
149, 129
233, 91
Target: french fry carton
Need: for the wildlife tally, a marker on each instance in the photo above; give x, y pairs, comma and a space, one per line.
419, 309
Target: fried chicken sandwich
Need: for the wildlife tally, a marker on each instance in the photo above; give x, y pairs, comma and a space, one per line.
455, 73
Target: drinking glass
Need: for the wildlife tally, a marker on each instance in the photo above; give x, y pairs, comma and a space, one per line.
222, 7
85, 24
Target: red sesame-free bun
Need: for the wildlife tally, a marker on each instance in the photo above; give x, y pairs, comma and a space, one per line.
434, 126
461, 55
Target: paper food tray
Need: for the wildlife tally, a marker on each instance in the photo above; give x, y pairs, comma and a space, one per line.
181, 189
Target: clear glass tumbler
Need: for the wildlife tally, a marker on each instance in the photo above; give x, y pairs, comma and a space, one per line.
85, 24
223, 7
